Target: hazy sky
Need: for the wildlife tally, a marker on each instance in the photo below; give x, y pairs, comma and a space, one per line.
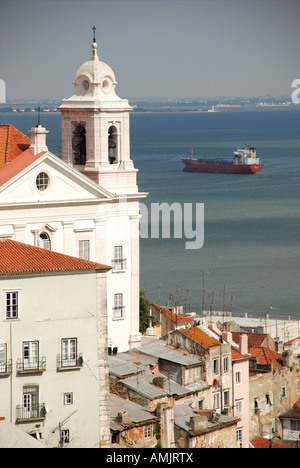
157, 48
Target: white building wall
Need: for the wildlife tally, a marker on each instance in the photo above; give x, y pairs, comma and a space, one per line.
105, 225
52, 308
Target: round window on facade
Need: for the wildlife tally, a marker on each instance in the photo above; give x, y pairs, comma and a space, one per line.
42, 181
85, 85
106, 84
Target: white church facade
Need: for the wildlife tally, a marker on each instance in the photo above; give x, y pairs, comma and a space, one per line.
87, 203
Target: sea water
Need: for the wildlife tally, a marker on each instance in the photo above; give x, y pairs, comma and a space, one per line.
251, 254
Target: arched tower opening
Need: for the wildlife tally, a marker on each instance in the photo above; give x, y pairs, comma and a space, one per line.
112, 145
79, 145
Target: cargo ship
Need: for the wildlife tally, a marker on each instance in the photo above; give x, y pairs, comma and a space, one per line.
244, 162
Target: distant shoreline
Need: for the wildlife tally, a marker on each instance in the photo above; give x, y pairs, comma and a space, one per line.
222, 109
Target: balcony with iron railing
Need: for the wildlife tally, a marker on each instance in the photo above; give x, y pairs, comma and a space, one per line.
118, 312
31, 366
30, 413
119, 264
69, 362
5, 368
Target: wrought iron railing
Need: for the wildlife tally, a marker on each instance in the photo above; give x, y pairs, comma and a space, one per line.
31, 365
119, 264
63, 362
32, 412
118, 312
6, 367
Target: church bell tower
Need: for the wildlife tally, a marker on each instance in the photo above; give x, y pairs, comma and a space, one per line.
95, 141
95, 128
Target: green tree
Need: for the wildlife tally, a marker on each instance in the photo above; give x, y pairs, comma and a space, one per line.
144, 313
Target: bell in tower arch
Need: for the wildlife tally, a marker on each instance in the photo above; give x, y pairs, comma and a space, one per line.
79, 145
112, 145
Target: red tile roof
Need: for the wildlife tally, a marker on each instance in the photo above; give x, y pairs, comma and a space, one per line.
17, 258
12, 143
172, 315
260, 442
16, 166
294, 412
254, 339
200, 337
266, 356
235, 355
292, 341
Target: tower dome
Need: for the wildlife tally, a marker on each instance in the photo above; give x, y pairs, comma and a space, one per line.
95, 79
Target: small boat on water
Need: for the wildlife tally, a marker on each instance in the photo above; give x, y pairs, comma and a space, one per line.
244, 162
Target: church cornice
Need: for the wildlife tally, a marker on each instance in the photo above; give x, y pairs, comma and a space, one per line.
69, 105
65, 203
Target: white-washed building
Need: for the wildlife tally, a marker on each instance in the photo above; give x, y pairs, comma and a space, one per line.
54, 380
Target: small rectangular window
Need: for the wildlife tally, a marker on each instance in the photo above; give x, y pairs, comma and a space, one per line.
216, 400
216, 366
84, 249
68, 398
239, 407
226, 398
295, 425
118, 306
64, 437
12, 305
3, 358
226, 364
238, 377
30, 402
30, 355
239, 435
147, 432
200, 404
118, 262
69, 352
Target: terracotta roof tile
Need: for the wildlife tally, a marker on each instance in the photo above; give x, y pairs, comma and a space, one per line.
254, 339
16, 166
260, 442
292, 341
266, 356
17, 258
294, 412
200, 337
172, 315
12, 143
235, 355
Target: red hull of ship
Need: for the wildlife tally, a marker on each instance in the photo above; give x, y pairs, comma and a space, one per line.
194, 166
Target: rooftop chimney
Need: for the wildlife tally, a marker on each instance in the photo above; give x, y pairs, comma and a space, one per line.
161, 382
243, 344
123, 418
38, 140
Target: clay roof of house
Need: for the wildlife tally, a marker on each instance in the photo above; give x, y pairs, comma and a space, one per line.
17, 258
235, 355
294, 412
260, 442
172, 315
266, 356
254, 339
292, 341
17, 165
12, 143
200, 337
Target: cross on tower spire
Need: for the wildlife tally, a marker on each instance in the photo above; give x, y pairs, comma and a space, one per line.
94, 44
